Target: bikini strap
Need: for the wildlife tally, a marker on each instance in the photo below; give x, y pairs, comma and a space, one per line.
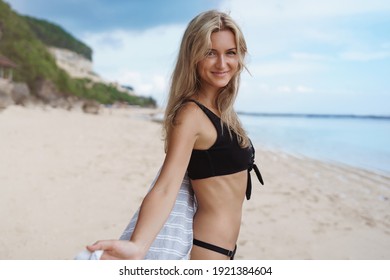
212, 116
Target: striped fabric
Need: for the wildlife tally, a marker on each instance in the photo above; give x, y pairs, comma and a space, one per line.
174, 241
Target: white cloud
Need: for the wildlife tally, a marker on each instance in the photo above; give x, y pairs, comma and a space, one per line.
294, 48
141, 59
271, 12
144, 84
283, 68
263, 87
309, 56
284, 89
295, 44
142, 49
274, 26
365, 56
303, 89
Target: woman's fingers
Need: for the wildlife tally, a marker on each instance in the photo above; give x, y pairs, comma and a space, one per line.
105, 245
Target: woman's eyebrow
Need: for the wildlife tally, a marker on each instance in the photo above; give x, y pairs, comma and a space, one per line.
230, 49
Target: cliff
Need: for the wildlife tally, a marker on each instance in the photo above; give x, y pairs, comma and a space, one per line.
53, 64
54, 35
76, 65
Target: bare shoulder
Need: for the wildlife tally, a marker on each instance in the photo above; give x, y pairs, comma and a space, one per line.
188, 113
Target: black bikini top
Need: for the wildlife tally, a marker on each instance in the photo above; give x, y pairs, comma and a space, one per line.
224, 157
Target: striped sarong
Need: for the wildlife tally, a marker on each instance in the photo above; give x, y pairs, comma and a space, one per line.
174, 241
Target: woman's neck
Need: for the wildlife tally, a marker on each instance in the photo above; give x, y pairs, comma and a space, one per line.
207, 98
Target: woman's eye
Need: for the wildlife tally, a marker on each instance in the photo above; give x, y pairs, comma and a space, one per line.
231, 53
210, 54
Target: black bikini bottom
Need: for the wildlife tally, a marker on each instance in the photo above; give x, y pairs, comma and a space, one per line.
215, 248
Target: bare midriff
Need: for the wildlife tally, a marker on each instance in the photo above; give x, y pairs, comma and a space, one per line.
218, 218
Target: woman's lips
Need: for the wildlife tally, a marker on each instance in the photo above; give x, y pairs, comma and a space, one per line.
220, 73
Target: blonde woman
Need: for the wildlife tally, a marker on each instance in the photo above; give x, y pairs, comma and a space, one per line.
204, 139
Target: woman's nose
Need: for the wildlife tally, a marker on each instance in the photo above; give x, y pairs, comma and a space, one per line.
221, 61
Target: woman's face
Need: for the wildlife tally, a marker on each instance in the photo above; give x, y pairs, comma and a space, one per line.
221, 62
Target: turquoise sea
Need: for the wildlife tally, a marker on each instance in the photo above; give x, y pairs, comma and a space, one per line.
362, 142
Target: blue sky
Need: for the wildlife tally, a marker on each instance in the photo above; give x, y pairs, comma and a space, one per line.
305, 56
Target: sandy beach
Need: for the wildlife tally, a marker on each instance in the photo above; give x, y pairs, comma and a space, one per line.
69, 178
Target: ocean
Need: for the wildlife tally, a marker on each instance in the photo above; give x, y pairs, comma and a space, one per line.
362, 142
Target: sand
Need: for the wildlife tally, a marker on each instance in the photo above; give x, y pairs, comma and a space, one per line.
68, 179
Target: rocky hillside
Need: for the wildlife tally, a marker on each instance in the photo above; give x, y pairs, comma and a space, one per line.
26, 42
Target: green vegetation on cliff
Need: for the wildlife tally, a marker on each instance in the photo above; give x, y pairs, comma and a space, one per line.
21, 45
53, 35
28, 50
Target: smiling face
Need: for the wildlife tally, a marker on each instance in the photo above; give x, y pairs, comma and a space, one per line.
220, 63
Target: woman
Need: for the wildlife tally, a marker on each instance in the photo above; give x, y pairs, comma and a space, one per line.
203, 137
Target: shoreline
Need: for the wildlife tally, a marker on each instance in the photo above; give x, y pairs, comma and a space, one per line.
70, 178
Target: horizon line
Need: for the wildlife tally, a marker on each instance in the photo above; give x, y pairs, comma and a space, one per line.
312, 115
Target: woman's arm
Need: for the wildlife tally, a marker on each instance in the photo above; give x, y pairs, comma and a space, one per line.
159, 202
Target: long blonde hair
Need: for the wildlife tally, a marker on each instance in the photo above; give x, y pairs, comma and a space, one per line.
185, 81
